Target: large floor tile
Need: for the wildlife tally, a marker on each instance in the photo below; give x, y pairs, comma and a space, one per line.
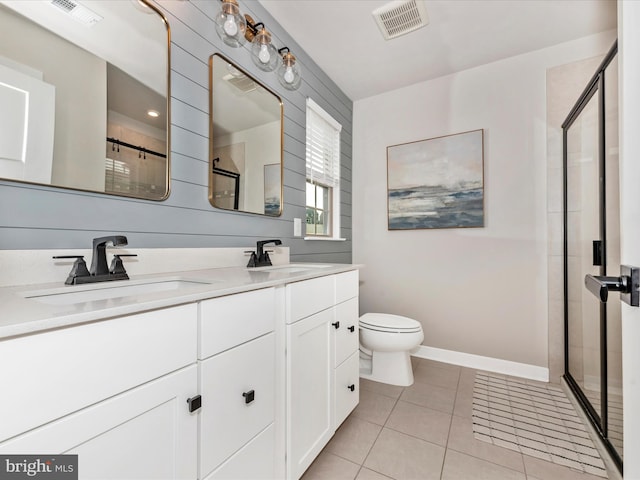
393, 391
430, 396
425, 423
461, 439
404, 457
373, 407
331, 467
432, 363
436, 375
458, 466
463, 406
354, 439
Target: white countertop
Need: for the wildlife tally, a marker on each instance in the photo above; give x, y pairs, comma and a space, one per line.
22, 315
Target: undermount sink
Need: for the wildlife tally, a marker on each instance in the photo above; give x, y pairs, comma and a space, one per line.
295, 267
109, 291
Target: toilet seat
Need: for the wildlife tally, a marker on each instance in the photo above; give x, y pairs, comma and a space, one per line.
385, 322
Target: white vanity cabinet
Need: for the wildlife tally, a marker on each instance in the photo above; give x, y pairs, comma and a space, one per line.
237, 377
114, 392
322, 363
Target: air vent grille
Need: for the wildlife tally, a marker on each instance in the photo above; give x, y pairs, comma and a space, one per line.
78, 12
241, 82
401, 16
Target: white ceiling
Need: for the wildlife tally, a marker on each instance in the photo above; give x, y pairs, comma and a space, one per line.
343, 38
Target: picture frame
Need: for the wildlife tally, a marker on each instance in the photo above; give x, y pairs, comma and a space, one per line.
436, 183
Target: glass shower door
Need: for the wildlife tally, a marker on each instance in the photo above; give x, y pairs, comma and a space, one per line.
593, 337
583, 226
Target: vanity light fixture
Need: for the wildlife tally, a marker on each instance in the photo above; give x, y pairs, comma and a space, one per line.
235, 28
230, 25
288, 72
263, 53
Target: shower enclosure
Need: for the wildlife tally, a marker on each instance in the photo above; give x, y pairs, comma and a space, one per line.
593, 341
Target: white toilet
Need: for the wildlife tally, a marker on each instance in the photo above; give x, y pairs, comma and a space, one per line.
385, 343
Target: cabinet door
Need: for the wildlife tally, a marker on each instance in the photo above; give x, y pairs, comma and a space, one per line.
309, 390
145, 433
230, 417
346, 335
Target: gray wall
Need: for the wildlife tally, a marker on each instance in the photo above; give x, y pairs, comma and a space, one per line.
38, 217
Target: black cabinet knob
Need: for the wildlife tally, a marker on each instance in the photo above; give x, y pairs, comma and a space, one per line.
194, 403
337, 325
249, 396
352, 387
352, 328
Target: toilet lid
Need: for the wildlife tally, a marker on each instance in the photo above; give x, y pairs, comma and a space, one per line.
389, 323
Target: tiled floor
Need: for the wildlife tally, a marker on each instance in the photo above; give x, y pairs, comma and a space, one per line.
424, 432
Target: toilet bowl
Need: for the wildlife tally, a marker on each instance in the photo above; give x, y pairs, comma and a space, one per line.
385, 343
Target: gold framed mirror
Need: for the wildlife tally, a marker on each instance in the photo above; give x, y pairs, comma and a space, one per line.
245, 141
86, 107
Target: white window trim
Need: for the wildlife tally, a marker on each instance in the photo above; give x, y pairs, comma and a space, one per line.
335, 210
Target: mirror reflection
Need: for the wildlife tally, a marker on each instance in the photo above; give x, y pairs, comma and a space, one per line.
85, 107
245, 168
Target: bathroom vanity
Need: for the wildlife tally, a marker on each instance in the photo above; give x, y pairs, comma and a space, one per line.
220, 373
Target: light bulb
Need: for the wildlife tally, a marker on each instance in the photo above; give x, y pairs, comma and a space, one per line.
230, 26
264, 55
288, 75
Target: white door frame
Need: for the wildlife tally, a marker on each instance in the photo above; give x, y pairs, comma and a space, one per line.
629, 101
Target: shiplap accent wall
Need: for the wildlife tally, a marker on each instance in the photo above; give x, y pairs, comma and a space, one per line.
39, 217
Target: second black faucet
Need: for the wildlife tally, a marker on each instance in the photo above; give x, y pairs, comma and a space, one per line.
260, 258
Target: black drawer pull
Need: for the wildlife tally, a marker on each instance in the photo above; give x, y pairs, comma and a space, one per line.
194, 403
352, 328
352, 387
337, 325
249, 396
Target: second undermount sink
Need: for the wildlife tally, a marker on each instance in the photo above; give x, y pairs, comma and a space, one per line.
109, 291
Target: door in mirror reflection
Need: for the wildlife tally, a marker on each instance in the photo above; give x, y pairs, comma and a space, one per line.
84, 106
245, 168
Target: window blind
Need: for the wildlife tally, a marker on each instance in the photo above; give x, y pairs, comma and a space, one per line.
323, 146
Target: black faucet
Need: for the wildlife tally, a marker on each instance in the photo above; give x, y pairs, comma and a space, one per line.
99, 271
99, 259
260, 258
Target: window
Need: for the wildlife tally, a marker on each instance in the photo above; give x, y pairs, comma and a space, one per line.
323, 173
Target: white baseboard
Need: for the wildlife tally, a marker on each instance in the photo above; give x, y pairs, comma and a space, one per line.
478, 362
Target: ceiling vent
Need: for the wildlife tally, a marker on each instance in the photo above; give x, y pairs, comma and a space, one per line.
241, 82
401, 16
78, 12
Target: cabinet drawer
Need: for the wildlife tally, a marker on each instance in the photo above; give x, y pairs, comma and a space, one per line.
346, 285
227, 422
347, 335
235, 319
347, 376
254, 461
51, 374
309, 297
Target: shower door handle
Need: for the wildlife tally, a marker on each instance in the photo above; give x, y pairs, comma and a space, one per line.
627, 284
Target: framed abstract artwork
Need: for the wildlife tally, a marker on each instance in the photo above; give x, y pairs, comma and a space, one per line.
436, 183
